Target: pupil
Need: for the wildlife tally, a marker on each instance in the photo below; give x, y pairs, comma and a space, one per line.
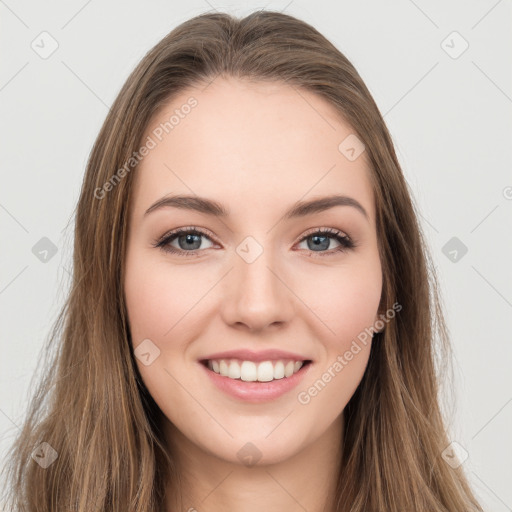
318, 243
190, 240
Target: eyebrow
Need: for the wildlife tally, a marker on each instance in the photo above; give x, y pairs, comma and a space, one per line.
299, 209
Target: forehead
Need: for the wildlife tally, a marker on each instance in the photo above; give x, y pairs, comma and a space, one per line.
250, 145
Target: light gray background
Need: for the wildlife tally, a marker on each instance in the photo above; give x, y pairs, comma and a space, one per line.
450, 119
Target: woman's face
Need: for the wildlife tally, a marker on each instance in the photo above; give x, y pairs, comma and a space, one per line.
258, 281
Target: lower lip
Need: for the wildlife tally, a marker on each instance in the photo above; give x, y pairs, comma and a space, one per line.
256, 392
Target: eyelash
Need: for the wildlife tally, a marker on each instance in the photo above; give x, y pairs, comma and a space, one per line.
346, 243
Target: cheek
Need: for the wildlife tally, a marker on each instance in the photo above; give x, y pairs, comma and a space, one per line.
160, 307
156, 299
345, 301
347, 307
352, 306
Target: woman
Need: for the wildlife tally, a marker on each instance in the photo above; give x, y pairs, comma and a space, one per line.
253, 322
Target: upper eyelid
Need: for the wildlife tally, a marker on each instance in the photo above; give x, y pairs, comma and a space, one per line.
189, 229
205, 232
326, 231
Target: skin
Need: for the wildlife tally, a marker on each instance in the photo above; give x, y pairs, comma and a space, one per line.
257, 148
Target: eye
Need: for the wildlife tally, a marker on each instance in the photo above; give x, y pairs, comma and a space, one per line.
187, 239
321, 239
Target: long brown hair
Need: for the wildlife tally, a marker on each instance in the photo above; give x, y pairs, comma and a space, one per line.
92, 407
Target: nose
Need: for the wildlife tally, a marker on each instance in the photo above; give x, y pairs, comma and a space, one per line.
256, 295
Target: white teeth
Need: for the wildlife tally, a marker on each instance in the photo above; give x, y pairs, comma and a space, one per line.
265, 371
224, 368
234, 370
249, 371
279, 370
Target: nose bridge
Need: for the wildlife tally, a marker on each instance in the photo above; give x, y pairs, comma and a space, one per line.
257, 295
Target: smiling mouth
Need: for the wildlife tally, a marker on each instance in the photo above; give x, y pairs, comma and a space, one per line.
250, 371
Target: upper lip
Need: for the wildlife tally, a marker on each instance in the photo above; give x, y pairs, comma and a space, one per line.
250, 355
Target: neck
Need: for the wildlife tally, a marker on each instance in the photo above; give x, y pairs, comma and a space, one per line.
305, 481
